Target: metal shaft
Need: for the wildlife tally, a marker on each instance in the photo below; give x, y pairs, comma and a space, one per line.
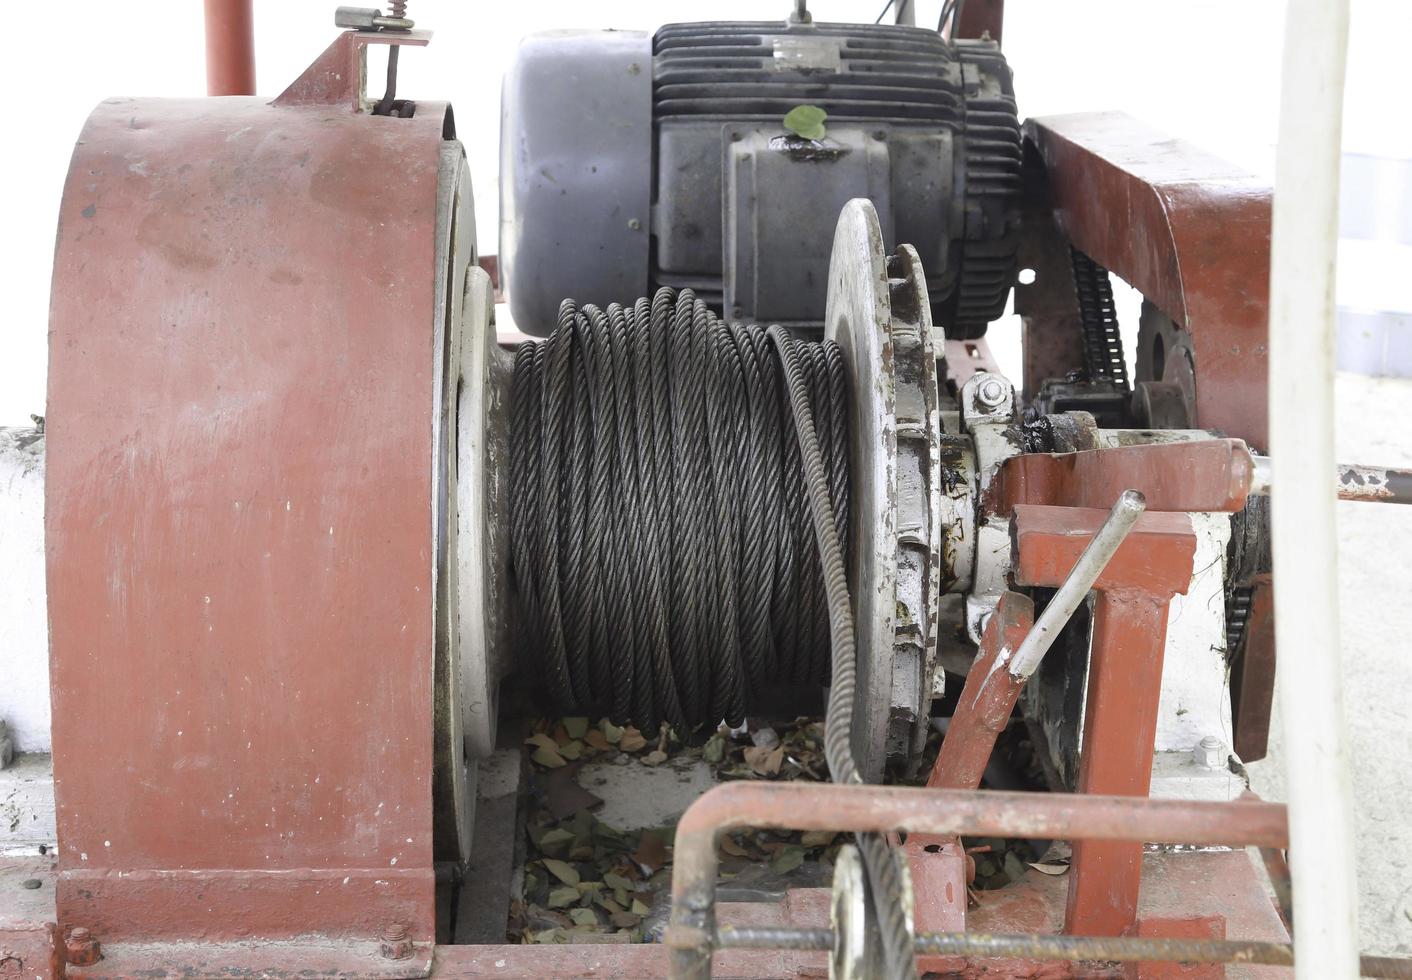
1371, 484
817, 806
1113, 949
1095, 558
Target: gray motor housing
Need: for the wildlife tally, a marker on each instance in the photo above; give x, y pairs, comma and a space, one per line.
629, 163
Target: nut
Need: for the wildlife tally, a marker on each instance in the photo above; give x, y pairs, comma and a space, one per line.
396, 945
991, 392
80, 948
1211, 753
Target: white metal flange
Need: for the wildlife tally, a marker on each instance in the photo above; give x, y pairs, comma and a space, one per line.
879, 314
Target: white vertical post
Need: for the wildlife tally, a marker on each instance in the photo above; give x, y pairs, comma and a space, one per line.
1303, 244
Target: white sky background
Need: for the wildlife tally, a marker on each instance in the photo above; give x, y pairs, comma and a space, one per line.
1206, 70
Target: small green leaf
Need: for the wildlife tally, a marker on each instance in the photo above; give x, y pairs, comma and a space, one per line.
806, 121
556, 841
787, 858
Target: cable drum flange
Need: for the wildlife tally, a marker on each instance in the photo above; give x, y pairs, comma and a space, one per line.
482, 518
879, 315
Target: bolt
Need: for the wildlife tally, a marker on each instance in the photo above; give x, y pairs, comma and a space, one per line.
1210, 752
991, 392
395, 943
370, 19
80, 948
31, 883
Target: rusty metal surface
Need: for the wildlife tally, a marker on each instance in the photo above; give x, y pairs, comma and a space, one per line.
1152, 945
1253, 675
987, 699
1124, 679
1190, 231
1374, 484
1201, 928
239, 525
1211, 475
1051, 323
981, 18
230, 47
937, 812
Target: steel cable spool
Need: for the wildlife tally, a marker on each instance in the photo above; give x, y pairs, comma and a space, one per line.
662, 551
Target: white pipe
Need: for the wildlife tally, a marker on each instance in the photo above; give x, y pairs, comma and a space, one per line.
1302, 252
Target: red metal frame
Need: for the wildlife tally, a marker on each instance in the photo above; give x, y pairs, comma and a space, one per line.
1190, 231
241, 365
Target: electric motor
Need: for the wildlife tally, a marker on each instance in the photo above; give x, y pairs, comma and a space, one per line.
631, 162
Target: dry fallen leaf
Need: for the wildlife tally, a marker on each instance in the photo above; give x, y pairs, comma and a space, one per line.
548, 758
632, 740
576, 727
654, 758
651, 852
562, 870
765, 762
563, 897
596, 740
542, 741
729, 845
1049, 869
817, 838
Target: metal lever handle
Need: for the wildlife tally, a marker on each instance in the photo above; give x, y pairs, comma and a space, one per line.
1095, 557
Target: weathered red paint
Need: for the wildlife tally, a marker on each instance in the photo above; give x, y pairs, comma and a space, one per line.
938, 863
1189, 231
986, 701
335, 76
1206, 476
1186, 927
1153, 564
239, 524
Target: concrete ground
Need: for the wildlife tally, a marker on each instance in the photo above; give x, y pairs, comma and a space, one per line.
1375, 600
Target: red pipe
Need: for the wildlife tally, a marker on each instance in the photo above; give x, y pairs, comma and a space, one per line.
230, 48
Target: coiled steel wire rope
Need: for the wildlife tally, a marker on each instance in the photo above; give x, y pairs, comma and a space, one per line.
679, 524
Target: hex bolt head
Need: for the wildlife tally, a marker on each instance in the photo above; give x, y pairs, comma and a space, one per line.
80, 948
1210, 752
991, 393
396, 945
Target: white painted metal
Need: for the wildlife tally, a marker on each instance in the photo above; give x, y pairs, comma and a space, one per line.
1303, 243
1196, 697
24, 630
